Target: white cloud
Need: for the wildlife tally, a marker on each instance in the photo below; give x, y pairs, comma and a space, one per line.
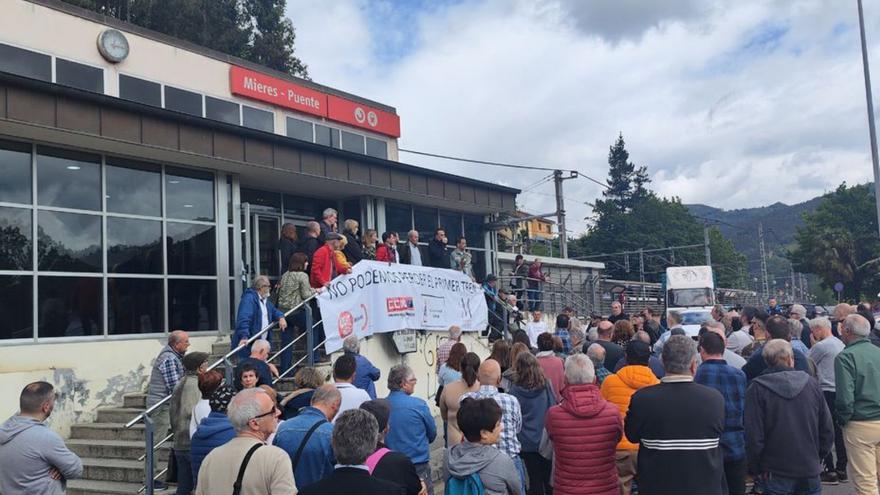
732, 104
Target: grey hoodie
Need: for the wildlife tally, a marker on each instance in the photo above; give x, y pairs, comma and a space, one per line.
28, 449
496, 469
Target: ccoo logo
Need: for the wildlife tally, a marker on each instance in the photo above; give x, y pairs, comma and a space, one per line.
345, 324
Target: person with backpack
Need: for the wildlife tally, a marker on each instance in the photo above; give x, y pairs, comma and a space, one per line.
306, 437
475, 466
385, 463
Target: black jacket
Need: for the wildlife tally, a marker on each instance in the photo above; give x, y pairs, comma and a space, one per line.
678, 426
308, 246
397, 468
351, 480
788, 425
403, 250
438, 255
287, 248
756, 364
353, 251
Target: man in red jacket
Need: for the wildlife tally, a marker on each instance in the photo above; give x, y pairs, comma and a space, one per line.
387, 251
584, 430
323, 268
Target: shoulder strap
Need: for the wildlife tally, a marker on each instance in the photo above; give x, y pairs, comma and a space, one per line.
236, 488
305, 440
374, 459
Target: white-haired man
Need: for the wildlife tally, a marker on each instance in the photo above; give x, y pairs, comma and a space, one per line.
824, 351
445, 346
329, 220
411, 253
797, 313
255, 312
254, 416
857, 401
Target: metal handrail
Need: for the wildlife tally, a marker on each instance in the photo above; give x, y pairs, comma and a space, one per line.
288, 346
566, 290
292, 367
144, 487
225, 357
157, 445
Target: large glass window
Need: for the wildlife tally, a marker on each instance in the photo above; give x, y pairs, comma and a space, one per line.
377, 148
67, 179
398, 218
452, 223
300, 129
261, 200
133, 188
69, 306
189, 195
326, 136
135, 306
15, 238
255, 118
134, 246
298, 206
69, 242
15, 170
183, 101
474, 232
79, 75
222, 110
16, 307
25, 63
425, 222
139, 90
352, 142
191, 249
192, 304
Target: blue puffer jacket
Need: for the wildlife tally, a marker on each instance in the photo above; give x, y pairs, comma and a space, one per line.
249, 318
214, 431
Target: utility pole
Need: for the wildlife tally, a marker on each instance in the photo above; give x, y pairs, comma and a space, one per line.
871, 130
706, 243
765, 286
793, 299
560, 210
641, 265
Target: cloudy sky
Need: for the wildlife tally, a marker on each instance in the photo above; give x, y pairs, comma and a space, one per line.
730, 103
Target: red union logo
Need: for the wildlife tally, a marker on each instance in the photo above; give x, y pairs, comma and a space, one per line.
346, 324
398, 304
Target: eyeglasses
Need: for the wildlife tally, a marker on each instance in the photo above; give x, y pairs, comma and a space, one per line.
271, 411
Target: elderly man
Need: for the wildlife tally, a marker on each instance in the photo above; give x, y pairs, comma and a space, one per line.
823, 353
673, 319
788, 425
617, 313
366, 373
840, 312
446, 345
584, 431
306, 437
411, 253
653, 362
329, 220
717, 373
412, 427
489, 376
857, 401
254, 416
167, 372
312, 240
798, 314
34, 458
259, 360
738, 340
678, 425
578, 338
729, 356
354, 440
613, 352
596, 353
255, 312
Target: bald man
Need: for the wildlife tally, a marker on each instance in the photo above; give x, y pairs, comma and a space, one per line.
511, 416
613, 352
732, 358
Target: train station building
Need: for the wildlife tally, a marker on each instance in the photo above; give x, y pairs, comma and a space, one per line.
144, 180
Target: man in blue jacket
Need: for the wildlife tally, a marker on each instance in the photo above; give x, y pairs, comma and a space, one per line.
316, 458
255, 312
365, 373
411, 427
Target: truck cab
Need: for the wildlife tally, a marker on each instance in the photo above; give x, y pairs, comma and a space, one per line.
690, 290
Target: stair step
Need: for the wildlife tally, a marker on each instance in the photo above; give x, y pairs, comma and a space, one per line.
114, 449
135, 400
117, 414
90, 487
124, 470
220, 348
107, 431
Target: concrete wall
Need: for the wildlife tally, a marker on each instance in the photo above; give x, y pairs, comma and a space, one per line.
86, 375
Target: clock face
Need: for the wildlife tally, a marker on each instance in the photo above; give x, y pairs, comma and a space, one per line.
113, 45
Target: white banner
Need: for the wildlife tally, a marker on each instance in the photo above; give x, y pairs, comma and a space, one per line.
378, 297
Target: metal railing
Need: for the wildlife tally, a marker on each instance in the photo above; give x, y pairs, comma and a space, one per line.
553, 295
149, 426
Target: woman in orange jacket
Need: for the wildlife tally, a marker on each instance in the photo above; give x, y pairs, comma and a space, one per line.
619, 389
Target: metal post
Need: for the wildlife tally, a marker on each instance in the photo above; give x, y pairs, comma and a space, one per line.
560, 214
793, 298
149, 459
870, 102
765, 284
505, 334
310, 337
706, 243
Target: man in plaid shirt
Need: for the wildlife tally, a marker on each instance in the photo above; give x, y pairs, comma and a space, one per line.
444, 348
562, 322
731, 382
511, 415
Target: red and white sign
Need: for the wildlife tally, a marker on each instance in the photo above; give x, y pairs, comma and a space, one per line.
278, 92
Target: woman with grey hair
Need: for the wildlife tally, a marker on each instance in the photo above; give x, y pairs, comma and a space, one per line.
354, 438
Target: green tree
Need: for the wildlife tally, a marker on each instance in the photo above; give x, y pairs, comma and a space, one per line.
272, 37
839, 242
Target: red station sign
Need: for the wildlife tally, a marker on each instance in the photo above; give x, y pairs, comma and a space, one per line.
251, 84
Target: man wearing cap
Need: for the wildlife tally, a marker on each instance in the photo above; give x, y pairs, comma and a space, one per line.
324, 262
387, 464
186, 395
214, 431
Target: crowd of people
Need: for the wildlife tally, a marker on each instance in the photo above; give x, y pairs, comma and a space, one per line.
761, 401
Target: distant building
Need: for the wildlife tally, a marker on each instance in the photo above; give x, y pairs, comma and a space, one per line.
533, 229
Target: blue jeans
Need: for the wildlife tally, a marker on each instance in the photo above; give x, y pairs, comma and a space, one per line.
534, 299
518, 462
184, 472
781, 485
423, 470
